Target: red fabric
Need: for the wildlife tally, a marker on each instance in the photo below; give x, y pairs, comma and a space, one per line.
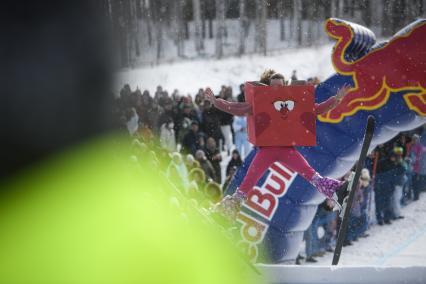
265, 156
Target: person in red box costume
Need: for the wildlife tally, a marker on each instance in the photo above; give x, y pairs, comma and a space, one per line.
267, 155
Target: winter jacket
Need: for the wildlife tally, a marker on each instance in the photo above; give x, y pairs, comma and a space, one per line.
167, 138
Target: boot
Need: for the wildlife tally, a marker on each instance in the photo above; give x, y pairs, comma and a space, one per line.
230, 205
325, 185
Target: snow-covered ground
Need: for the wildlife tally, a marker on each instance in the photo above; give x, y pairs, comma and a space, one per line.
403, 243
391, 254
189, 76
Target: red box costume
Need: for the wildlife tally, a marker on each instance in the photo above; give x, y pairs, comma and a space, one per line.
282, 115
275, 114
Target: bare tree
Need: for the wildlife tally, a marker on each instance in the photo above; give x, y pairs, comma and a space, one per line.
297, 21
424, 8
243, 27
209, 10
341, 7
199, 43
281, 15
178, 26
220, 27
333, 8
134, 26
120, 32
366, 7
158, 10
311, 24
260, 30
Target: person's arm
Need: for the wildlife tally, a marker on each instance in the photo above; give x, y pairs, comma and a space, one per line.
333, 101
235, 108
325, 106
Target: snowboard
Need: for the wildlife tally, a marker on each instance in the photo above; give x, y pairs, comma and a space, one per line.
352, 186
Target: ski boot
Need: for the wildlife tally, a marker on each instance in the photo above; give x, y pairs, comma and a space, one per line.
333, 189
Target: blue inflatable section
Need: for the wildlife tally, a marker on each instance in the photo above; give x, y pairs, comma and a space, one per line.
338, 146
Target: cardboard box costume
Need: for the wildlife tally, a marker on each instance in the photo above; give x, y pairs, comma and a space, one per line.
281, 115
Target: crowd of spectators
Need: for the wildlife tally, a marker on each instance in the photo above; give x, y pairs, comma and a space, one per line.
200, 148
192, 127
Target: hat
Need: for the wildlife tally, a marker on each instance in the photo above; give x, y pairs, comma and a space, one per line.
195, 122
398, 150
365, 174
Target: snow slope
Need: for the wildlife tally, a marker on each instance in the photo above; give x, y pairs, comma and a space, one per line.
401, 244
391, 254
189, 76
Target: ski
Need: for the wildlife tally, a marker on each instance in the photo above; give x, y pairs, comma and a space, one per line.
352, 185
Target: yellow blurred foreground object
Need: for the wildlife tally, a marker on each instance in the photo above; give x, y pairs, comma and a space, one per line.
91, 216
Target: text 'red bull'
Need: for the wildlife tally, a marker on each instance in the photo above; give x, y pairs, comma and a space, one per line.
263, 201
399, 65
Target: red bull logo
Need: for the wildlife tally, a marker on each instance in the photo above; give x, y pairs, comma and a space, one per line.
263, 201
399, 65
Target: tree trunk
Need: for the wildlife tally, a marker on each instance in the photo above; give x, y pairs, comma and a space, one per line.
424, 8
387, 15
297, 22
243, 27
178, 21
220, 27
341, 10
148, 18
260, 36
134, 26
281, 14
311, 25
367, 7
199, 43
158, 15
120, 32
333, 8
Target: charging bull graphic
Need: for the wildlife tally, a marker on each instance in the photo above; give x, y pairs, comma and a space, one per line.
388, 82
399, 65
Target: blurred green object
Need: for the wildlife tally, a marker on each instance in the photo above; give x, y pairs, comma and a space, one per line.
90, 215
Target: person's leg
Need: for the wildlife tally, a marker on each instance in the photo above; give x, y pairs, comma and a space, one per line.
297, 163
316, 248
226, 132
387, 203
379, 202
291, 158
351, 229
416, 186
422, 183
358, 227
247, 146
364, 224
393, 203
308, 242
397, 195
265, 156
239, 143
409, 186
